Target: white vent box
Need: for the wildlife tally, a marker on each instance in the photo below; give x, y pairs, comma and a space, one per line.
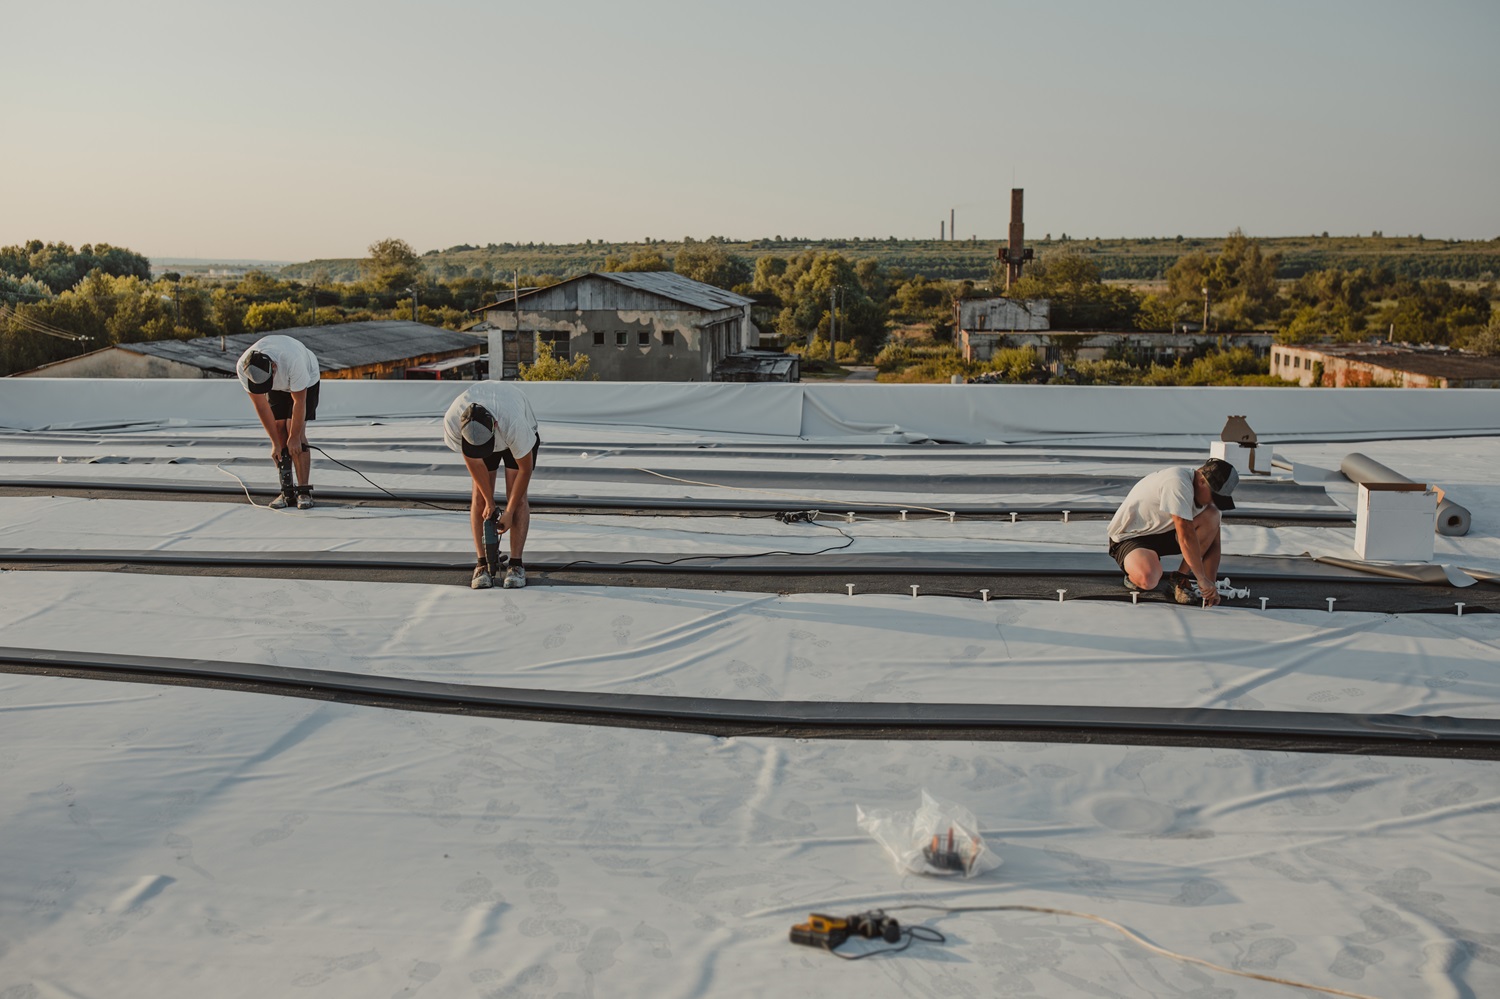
1246, 460
1394, 522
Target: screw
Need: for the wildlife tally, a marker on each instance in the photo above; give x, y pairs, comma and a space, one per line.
1012, 518
903, 514
850, 516
950, 516
1060, 595
1135, 597
985, 594
913, 589
1330, 604
1263, 602
1460, 607
1065, 515
850, 588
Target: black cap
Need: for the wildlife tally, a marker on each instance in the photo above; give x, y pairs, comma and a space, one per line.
258, 372
477, 429
1221, 477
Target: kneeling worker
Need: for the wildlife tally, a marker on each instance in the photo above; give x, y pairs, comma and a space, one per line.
1174, 512
281, 376
492, 424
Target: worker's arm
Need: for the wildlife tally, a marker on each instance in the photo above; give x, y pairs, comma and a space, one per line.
484, 480
273, 429
516, 489
1192, 558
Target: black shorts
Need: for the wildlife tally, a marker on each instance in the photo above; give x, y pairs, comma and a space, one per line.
1163, 544
493, 461
281, 403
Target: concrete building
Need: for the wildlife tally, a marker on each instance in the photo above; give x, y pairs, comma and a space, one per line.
633, 326
1349, 365
981, 324
382, 349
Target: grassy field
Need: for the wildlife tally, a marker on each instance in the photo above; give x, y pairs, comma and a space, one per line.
1143, 260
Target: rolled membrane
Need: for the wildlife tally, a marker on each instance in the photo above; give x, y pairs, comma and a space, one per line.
1452, 520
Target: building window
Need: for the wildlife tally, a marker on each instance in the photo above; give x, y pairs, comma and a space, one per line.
598, 338
561, 343
643, 338
668, 338
1296, 362
621, 338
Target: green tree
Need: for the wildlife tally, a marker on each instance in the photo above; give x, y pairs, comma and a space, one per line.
1080, 299
710, 263
549, 368
392, 265
639, 260
263, 317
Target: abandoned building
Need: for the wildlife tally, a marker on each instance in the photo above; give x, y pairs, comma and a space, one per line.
981, 324
632, 326
383, 349
1349, 365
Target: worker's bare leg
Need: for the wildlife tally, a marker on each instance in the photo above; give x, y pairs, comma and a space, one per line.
522, 523
1143, 566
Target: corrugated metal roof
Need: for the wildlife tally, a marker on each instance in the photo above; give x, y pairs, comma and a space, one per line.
667, 284
339, 346
682, 289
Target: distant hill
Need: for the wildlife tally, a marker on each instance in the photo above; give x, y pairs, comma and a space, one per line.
1146, 258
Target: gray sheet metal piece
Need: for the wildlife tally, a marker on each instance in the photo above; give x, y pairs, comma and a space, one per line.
1037, 563
789, 715
1452, 520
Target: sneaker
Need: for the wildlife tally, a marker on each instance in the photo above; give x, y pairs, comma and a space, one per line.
481, 580
515, 577
1185, 590
279, 503
304, 500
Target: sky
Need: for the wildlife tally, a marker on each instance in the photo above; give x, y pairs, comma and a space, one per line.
297, 130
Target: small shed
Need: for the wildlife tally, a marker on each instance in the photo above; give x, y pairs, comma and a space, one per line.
980, 324
379, 349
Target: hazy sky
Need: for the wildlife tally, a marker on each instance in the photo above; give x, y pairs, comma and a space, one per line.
293, 130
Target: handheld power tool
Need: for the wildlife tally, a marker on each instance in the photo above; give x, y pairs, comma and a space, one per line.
288, 487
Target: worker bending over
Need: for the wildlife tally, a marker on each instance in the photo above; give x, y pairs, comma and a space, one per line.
281, 376
1174, 512
491, 425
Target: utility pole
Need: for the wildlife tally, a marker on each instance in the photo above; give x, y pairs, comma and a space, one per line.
833, 319
1205, 308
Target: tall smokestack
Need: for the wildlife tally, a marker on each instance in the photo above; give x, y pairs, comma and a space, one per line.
941, 234
1014, 253
952, 229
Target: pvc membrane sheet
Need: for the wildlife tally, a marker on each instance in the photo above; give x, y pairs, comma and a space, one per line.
165, 841
182, 842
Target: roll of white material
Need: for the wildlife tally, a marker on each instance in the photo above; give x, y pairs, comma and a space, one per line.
1452, 520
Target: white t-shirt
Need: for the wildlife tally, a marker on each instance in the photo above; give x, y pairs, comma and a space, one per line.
1153, 502
296, 367
515, 423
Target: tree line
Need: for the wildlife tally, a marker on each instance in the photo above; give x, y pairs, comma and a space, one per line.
825, 302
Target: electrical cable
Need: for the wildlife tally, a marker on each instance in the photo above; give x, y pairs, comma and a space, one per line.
801, 499
848, 540
1136, 939
910, 933
362, 475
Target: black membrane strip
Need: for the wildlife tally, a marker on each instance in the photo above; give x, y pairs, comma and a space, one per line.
1313, 731
545, 496
1030, 564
